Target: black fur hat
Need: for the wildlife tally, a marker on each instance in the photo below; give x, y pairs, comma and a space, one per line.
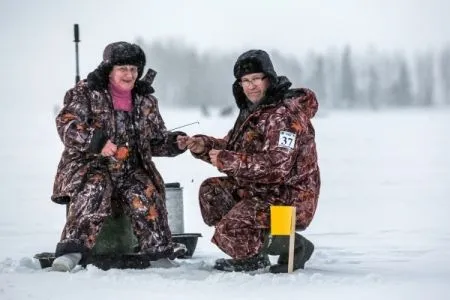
123, 53
254, 61
248, 66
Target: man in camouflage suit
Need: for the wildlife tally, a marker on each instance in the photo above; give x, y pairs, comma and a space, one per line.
111, 128
269, 158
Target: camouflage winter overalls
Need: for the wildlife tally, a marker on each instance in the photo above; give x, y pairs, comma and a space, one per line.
119, 181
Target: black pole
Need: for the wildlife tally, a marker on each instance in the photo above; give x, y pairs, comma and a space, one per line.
76, 34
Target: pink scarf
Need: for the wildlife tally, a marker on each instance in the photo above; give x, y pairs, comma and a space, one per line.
121, 99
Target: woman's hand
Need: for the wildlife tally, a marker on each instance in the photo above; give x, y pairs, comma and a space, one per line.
109, 149
181, 141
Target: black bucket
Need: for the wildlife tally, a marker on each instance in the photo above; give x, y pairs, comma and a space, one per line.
188, 239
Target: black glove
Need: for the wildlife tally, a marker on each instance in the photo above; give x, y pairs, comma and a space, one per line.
98, 141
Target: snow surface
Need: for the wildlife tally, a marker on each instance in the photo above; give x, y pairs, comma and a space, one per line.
381, 229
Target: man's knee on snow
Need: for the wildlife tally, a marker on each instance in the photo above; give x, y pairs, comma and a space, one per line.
207, 185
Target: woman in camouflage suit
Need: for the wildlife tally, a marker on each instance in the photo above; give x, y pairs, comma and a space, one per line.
270, 159
111, 128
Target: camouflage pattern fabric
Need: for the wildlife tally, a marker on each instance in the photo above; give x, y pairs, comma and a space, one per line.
94, 185
269, 158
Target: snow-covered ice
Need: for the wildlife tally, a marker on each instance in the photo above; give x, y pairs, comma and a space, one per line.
381, 229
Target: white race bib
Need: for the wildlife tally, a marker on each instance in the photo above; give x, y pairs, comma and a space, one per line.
287, 139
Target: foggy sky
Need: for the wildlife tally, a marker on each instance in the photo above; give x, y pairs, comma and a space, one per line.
37, 36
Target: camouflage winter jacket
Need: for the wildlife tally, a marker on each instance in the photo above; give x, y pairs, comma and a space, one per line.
87, 121
271, 151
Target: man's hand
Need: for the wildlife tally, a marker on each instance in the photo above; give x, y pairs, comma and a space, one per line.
213, 157
109, 149
195, 144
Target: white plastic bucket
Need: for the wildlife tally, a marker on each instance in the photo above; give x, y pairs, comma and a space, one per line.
175, 211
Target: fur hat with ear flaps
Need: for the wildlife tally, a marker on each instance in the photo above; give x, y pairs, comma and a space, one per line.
257, 61
117, 54
254, 61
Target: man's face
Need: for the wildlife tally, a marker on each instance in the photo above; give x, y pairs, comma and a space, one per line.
124, 76
254, 86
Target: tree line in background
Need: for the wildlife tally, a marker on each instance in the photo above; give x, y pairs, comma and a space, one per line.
340, 78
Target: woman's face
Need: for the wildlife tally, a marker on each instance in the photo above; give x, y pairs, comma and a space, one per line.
124, 76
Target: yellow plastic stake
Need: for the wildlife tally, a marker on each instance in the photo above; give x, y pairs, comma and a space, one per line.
282, 222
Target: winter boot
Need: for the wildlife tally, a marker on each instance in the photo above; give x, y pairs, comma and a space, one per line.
66, 262
279, 245
253, 263
164, 263
179, 250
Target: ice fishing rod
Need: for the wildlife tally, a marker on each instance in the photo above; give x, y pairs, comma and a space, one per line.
159, 140
76, 34
197, 122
